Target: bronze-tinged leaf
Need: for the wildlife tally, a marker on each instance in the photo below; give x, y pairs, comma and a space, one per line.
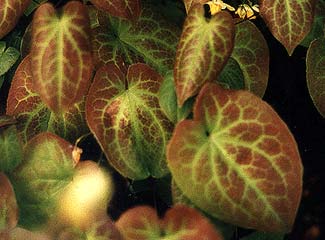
10, 12
8, 206
32, 114
251, 53
179, 223
237, 160
203, 50
190, 3
123, 112
127, 9
315, 67
288, 20
61, 57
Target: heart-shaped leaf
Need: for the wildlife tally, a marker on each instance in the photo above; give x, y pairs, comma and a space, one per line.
8, 206
10, 149
288, 20
123, 112
32, 114
10, 12
237, 160
190, 3
46, 170
151, 39
249, 62
128, 9
180, 223
203, 50
315, 67
61, 59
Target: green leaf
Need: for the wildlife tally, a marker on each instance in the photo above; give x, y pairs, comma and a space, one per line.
180, 222
33, 5
237, 161
249, 62
8, 206
32, 114
8, 57
264, 236
315, 67
128, 9
151, 40
47, 168
288, 20
168, 100
123, 112
317, 30
10, 12
61, 58
203, 50
10, 149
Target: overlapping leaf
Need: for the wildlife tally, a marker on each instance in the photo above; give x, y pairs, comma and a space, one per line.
151, 39
288, 20
32, 114
123, 112
203, 50
8, 206
47, 168
8, 57
237, 160
249, 62
61, 58
180, 223
315, 64
128, 9
190, 3
10, 12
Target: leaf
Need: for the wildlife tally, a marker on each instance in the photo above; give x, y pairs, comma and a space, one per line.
8, 57
168, 100
231, 76
237, 161
180, 222
123, 112
10, 149
10, 12
6, 120
190, 3
8, 205
288, 20
317, 30
34, 4
61, 58
46, 170
32, 114
251, 55
315, 68
128, 9
203, 50
24, 234
264, 236
151, 40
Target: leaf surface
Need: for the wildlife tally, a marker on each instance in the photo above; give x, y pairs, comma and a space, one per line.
10, 12
151, 40
237, 161
251, 56
8, 57
61, 59
179, 223
123, 112
190, 3
288, 20
315, 67
128, 9
32, 114
46, 170
8, 205
6, 121
202, 52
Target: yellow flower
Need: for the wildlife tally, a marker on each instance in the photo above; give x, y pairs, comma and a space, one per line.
245, 11
216, 6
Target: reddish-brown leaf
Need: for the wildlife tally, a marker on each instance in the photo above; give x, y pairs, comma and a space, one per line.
237, 160
61, 58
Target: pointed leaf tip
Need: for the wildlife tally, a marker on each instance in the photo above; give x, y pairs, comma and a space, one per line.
202, 52
237, 160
